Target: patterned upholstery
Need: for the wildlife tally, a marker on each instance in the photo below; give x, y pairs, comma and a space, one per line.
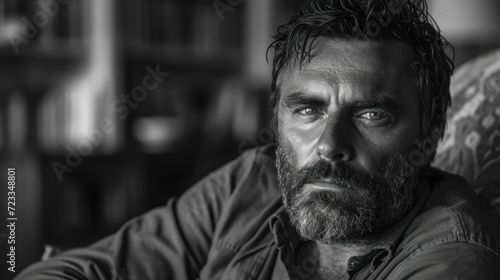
471, 145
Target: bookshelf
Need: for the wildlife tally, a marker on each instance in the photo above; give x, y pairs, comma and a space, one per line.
91, 53
185, 33
41, 26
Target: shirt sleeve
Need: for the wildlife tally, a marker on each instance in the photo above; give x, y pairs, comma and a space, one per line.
170, 242
457, 260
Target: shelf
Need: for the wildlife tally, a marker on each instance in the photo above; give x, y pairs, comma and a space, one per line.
187, 57
33, 57
37, 68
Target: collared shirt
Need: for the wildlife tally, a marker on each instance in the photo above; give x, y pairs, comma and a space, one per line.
233, 225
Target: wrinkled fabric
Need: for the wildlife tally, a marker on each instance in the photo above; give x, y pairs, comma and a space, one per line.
232, 225
471, 143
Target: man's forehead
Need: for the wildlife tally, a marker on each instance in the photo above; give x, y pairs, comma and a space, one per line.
355, 60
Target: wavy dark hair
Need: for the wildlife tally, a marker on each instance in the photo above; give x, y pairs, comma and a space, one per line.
407, 21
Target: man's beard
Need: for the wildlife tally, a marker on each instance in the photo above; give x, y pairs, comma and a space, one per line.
358, 213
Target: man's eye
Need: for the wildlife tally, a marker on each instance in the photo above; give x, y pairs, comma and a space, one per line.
373, 116
308, 111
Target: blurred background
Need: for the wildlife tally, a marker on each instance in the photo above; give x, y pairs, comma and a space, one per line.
108, 108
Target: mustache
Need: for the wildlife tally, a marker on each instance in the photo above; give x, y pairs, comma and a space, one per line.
336, 173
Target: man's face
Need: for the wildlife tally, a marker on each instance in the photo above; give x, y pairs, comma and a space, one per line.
344, 119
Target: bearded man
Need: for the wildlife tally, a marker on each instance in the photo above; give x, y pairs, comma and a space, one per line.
360, 91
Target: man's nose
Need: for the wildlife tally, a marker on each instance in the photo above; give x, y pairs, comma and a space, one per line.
335, 143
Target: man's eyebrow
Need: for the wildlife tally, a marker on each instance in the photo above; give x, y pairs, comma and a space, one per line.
300, 98
376, 102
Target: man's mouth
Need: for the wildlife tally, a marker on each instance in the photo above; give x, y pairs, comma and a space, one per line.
326, 185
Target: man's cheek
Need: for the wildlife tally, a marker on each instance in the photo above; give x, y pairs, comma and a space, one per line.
286, 151
376, 162
303, 142
395, 145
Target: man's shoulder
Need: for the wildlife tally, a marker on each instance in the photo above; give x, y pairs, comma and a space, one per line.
454, 216
454, 236
262, 155
256, 161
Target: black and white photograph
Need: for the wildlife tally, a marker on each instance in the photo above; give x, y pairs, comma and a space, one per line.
249, 139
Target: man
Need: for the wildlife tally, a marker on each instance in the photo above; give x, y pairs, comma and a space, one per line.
360, 91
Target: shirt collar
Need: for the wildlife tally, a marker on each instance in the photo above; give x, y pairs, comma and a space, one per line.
285, 236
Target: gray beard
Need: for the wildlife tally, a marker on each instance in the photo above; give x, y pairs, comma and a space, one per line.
356, 214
